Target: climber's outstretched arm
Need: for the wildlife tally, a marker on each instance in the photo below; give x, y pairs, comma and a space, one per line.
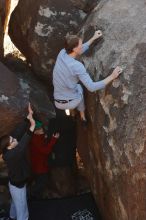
96, 35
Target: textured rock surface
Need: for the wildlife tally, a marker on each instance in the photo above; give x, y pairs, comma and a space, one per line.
116, 137
15, 92
4, 10
85, 5
38, 28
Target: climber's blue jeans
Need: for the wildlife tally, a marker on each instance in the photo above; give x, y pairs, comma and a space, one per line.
18, 208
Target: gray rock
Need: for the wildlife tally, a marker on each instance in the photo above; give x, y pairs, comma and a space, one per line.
37, 28
116, 138
85, 5
15, 93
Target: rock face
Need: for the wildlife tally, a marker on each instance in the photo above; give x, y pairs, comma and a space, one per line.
4, 11
37, 28
15, 93
115, 159
85, 5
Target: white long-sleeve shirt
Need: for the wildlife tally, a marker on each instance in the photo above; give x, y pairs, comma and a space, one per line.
68, 72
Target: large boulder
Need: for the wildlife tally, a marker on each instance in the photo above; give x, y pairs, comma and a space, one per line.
15, 93
85, 5
4, 12
115, 143
37, 28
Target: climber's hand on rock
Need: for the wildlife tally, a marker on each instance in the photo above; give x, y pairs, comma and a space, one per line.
97, 34
117, 71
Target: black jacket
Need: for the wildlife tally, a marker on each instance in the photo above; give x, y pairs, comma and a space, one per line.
17, 161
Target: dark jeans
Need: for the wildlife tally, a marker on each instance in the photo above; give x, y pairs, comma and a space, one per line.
40, 183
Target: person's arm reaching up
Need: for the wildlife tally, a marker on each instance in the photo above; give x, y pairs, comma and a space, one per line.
24, 141
96, 35
30, 118
47, 149
86, 45
117, 71
94, 86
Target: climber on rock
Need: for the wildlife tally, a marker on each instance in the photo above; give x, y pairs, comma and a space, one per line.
68, 71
